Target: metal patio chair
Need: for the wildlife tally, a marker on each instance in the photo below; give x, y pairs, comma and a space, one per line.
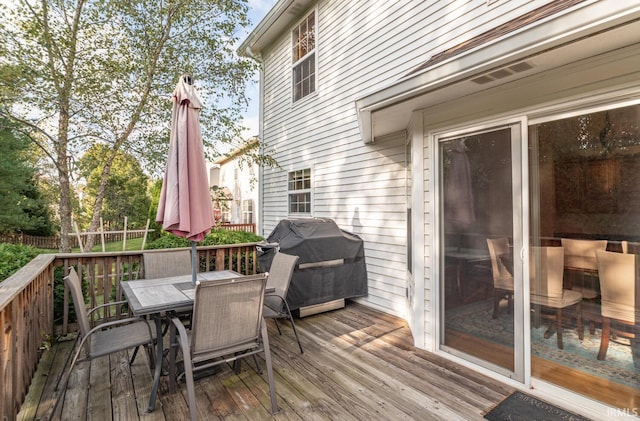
166, 263
276, 306
105, 338
227, 325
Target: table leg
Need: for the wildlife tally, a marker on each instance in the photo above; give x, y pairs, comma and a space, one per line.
458, 276
158, 371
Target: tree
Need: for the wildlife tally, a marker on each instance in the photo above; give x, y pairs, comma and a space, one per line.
21, 206
125, 194
101, 71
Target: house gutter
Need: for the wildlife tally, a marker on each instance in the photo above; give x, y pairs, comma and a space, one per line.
571, 25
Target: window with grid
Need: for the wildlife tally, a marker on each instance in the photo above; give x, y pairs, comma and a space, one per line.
303, 45
299, 190
247, 211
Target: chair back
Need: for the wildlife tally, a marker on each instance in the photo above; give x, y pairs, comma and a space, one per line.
72, 281
617, 272
546, 269
226, 316
498, 248
164, 264
625, 246
280, 273
581, 254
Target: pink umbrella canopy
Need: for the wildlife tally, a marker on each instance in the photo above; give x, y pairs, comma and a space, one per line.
185, 203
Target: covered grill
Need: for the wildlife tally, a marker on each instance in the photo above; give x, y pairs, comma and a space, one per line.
331, 265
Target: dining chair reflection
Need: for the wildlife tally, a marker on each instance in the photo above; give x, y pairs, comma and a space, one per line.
617, 273
546, 268
580, 256
502, 277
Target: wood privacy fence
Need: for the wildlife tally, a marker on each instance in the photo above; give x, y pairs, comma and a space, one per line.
53, 243
27, 322
49, 243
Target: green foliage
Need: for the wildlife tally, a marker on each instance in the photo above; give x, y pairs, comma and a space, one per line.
216, 237
76, 74
155, 229
13, 257
125, 193
21, 206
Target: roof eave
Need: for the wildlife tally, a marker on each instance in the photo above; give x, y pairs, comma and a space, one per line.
543, 35
280, 18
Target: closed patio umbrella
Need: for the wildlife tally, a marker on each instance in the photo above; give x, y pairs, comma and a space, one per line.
185, 207
458, 205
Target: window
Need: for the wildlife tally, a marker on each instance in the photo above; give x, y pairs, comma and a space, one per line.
303, 58
299, 190
247, 211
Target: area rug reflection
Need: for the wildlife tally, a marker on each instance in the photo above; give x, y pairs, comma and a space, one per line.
475, 320
522, 407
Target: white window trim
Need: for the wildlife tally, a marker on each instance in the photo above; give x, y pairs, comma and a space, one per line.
310, 190
314, 51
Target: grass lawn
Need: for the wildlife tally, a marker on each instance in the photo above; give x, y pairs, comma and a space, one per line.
132, 244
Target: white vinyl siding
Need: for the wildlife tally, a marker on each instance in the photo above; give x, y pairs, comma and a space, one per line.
365, 46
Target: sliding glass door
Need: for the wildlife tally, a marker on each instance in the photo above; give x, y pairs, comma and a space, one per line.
481, 293
585, 204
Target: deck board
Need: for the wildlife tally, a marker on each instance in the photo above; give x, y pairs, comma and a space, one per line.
358, 364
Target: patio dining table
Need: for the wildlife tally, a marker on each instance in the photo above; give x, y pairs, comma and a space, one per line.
156, 297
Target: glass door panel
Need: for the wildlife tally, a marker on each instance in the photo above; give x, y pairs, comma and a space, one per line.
585, 201
477, 181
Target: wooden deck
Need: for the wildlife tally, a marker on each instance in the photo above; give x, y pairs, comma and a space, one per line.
359, 364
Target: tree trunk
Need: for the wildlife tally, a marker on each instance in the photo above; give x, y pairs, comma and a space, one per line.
65, 186
97, 204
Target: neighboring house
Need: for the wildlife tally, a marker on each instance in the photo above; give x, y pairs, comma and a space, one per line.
237, 176
428, 127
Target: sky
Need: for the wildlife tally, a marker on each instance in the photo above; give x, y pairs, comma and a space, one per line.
257, 10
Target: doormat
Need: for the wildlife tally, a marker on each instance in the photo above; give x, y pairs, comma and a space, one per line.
522, 407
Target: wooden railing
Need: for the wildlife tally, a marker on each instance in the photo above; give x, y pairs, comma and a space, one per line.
27, 322
26, 325
238, 227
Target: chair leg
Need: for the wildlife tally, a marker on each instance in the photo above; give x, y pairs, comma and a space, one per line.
277, 325
188, 368
579, 321
604, 340
496, 303
66, 362
133, 356
267, 358
293, 326
559, 328
258, 368
635, 350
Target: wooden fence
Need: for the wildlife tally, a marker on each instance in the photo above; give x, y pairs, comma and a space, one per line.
49, 243
238, 227
53, 243
27, 310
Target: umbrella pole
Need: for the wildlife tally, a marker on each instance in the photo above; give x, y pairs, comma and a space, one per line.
194, 263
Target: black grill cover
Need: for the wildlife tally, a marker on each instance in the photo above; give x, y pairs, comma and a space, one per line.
331, 261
